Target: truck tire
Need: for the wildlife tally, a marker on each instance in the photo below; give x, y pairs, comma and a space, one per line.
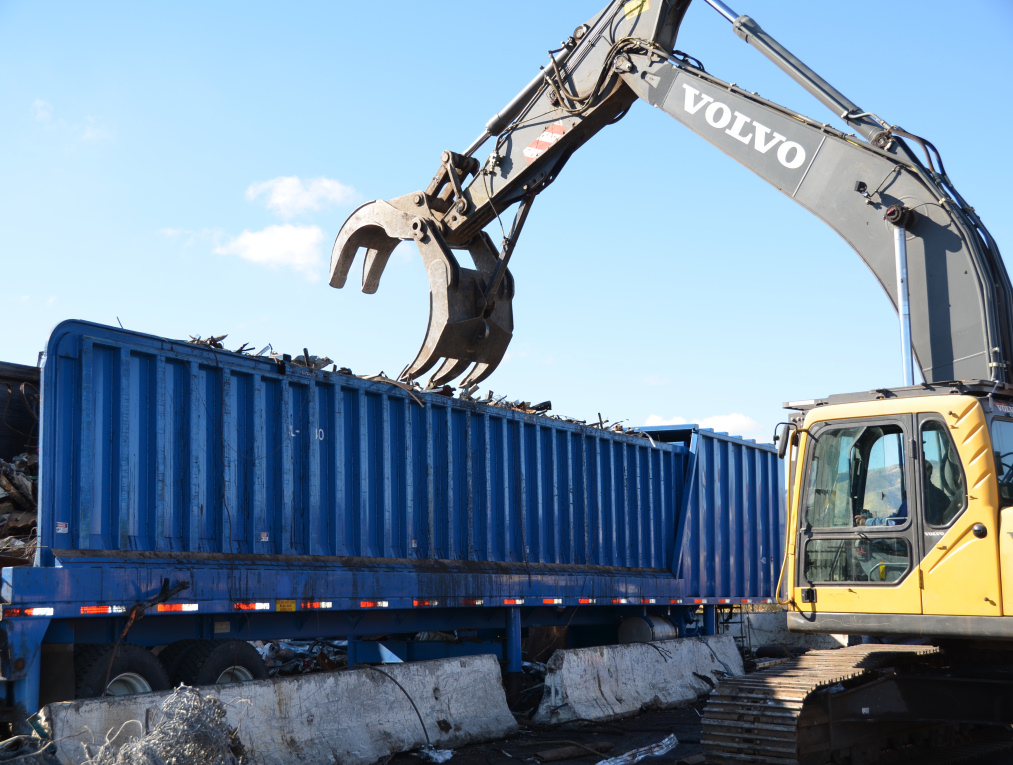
221, 661
173, 655
129, 669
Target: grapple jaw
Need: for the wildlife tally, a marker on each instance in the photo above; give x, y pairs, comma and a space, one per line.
468, 326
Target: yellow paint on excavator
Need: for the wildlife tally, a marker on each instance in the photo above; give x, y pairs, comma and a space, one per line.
959, 571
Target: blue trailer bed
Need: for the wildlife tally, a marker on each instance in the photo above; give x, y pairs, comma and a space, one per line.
221, 495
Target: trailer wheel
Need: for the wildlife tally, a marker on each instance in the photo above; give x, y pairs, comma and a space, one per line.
174, 654
110, 670
225, 661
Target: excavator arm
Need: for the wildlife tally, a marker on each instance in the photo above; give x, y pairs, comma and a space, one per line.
873, 188
567, 102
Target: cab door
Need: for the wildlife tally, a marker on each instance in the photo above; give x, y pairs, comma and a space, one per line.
858, 547
956, 514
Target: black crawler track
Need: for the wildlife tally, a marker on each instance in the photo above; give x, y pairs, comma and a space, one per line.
764, 717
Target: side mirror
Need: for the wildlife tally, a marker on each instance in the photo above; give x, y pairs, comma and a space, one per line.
783, 439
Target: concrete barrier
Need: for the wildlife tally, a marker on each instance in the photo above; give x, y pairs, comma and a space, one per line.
355, 717
607, 682
771, 628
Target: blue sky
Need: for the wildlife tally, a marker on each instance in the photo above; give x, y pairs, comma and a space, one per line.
185, 167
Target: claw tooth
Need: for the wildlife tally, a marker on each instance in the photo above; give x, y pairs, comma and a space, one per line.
450, 369
372, 269
478, 373
420, 366
362, 229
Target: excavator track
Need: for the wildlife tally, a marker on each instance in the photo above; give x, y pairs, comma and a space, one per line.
763, 717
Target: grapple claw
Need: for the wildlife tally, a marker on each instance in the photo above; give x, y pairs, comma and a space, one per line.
478, 373
466, 325
448, 370
368, 227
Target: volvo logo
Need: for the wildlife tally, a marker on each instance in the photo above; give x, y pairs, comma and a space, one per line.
743, 128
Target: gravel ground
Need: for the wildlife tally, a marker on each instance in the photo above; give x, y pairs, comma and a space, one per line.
629, 733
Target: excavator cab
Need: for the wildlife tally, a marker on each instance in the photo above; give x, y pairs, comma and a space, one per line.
901, 511
899, 535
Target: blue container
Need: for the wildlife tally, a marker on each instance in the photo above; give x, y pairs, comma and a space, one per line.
151, 445
155, 449
228, 496
731, 533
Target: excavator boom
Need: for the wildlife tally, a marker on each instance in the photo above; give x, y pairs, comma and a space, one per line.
877, 188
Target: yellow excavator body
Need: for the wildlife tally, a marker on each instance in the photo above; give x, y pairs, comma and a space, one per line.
899, 530
895, 512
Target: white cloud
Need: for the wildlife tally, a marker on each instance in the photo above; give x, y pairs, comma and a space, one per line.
287, 246
89, 130
657, 419
735, 424
289, 196
42, 110
92, 131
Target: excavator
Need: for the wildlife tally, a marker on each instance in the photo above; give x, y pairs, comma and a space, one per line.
899, 500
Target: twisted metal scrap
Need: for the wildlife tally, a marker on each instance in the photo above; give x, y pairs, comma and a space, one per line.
28, 750
192, 729
466, 392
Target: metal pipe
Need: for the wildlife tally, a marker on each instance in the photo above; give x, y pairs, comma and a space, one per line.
25, 692
508, 113
723, 9
513, 646
710, 620
903, 306
508, 248
476, 143
865, 123
351, 652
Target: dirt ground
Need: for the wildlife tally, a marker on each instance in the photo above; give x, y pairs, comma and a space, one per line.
626, 734
629, 733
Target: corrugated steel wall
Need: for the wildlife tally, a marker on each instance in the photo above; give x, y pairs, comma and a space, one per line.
732, 536
150, 444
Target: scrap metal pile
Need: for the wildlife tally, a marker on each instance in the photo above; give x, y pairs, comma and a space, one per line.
299, 657
19, 462
18, 503
190, 727
466, 393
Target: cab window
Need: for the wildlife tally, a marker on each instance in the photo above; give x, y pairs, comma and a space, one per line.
856, 478
1002, 444
943, 489
856, 559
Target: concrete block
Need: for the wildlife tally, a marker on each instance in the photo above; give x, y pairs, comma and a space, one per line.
608, 682
771, 628
354, 717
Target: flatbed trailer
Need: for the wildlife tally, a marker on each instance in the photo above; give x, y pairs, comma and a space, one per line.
187, 493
